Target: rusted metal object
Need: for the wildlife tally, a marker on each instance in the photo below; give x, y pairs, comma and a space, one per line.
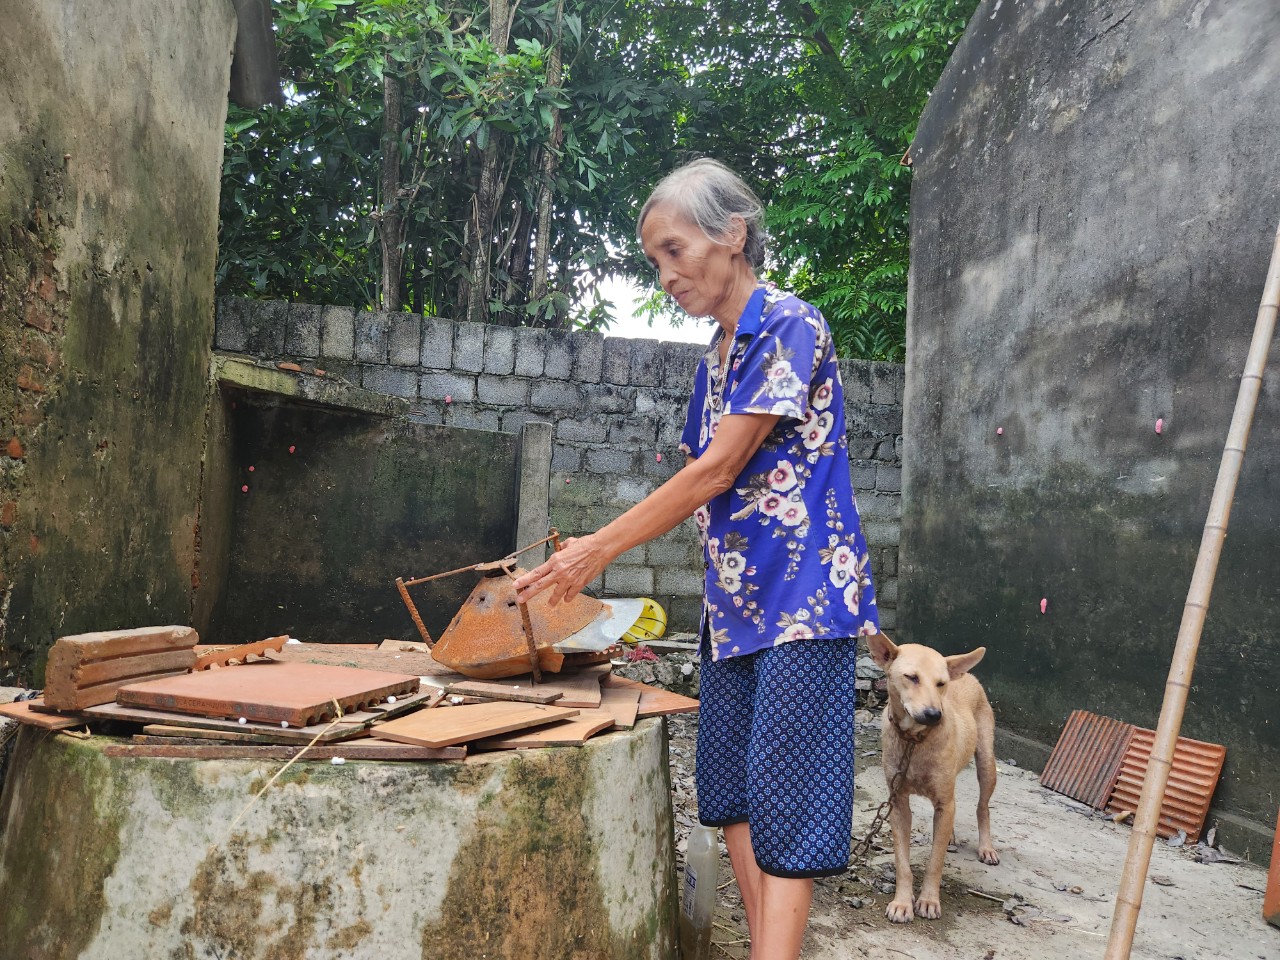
413, 613
487, 638
506, 564
527, 629
1086, 761
1192, 780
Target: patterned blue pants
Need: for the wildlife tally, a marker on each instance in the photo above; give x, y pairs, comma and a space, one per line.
775, 750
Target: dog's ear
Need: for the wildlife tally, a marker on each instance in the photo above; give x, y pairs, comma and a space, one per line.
962, 663
883, 650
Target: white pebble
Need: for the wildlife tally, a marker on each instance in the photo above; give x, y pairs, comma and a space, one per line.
687, 669
391, 699
455, 700
291, 640
243, 720
284, 723
338, 761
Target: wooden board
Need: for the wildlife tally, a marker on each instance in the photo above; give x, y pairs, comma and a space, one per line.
445, 726
351, 725
295, 693
578, 689
565, 733
361, 750
420, 663
622, 703
654, 701
496, 690
23, 712
259, 735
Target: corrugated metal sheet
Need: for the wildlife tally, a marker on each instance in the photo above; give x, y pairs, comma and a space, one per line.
1192, 780
1087, 758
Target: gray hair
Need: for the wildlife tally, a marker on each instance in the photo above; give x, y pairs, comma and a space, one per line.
710, 194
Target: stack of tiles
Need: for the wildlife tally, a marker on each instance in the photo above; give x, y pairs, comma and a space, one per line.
88, 669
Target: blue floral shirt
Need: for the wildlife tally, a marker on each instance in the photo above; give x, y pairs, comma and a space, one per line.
785, 555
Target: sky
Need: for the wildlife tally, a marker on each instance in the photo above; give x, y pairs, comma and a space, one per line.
626, 295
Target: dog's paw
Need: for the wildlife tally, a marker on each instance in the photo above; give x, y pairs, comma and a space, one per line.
899, 911
989, 855
929, 907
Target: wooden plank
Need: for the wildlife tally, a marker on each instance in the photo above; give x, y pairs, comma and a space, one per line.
497, 690
578, 689
114, 711
161, 731
565, 733
445, 726
420, 663
23, 712
363, 750
269, 691
654, 701
623, 704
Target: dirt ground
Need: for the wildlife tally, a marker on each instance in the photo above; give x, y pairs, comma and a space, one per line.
1051, 896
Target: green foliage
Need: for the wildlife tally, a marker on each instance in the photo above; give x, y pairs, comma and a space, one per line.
814, 102
301, 182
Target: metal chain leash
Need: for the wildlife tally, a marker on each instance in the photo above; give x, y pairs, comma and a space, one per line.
863, 847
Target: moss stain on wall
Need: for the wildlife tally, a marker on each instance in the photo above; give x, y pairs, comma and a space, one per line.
524, 887
54, 901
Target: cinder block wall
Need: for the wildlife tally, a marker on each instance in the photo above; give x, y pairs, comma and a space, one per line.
617, 406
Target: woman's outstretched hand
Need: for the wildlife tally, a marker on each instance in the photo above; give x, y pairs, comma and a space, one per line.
579, 561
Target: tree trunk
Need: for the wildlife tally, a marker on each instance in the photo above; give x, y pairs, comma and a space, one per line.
550, 161
485, 202
519, 262
389, 216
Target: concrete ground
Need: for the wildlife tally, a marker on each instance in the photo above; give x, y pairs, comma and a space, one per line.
1050, 846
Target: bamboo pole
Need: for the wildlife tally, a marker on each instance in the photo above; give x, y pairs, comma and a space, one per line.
1138, 860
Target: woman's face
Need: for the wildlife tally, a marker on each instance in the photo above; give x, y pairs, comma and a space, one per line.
706, 278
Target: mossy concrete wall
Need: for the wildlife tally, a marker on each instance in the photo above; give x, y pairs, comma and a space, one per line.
327, 507
110, 150
561, 854
1096, 193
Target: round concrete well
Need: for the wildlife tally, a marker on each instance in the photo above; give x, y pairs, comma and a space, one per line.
556, 853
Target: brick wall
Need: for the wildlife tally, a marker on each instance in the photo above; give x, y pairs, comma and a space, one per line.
617, 406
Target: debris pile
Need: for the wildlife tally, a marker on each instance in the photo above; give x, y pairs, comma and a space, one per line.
336, 703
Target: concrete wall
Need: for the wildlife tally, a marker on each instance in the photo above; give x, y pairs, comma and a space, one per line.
617, 406
1096, 192
110, 150
329, 506
561, 854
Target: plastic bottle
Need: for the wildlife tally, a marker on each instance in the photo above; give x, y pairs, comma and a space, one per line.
698, 900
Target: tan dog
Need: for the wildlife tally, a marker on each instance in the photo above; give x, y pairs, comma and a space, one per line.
934, 702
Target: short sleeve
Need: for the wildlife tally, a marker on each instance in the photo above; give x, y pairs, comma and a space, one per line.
774, 373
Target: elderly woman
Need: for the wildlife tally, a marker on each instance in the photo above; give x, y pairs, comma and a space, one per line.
788, 588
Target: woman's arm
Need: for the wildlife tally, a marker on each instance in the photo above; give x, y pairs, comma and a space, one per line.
582, 559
